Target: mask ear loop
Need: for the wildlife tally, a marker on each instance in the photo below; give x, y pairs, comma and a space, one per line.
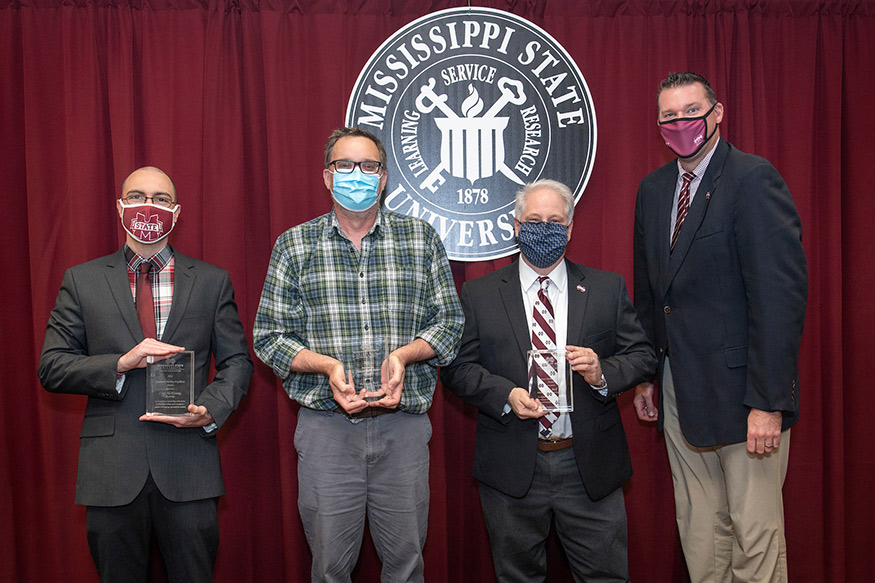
702, 117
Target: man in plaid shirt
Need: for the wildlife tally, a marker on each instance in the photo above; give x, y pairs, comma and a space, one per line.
360, 276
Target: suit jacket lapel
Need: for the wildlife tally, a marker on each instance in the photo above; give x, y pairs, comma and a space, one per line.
514, 308
120, 286
577, 300
698, 209
183, 283
665, 189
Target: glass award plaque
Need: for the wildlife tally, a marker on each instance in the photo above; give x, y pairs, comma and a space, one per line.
170, 384
369, 368
550, 380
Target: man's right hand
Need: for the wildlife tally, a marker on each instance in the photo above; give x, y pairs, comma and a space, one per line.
523, 405
136, 356
344, 392
643, 402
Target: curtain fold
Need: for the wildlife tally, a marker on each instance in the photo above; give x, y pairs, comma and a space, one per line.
235, 100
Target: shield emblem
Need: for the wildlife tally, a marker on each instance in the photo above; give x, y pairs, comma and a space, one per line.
472, 148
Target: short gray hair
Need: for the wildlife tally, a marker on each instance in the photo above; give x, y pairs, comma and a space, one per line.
563, 191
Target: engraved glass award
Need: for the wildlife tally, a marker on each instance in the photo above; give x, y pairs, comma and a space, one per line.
550, 380
369, 368
170, 384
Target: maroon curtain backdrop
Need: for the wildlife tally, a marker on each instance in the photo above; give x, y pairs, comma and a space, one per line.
235, 98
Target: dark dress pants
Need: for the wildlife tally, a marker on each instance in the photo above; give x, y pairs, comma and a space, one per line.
187, 534
593, 534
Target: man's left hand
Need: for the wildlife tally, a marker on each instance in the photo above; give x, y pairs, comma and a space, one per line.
586, 362
392, 388
763, 431
199, 417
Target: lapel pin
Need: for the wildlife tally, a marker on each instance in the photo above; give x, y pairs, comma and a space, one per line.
580, 288
708, 195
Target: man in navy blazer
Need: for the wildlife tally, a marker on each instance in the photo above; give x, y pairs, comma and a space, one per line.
572, 472
721, 287
141, 473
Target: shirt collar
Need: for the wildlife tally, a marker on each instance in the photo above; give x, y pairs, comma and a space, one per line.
702, 166
159, 260
529, 277
377, 228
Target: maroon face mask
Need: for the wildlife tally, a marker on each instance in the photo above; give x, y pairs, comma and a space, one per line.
685, 136
147, 223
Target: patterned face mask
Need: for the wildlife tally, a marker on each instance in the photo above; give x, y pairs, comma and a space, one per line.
147, 223
542, 243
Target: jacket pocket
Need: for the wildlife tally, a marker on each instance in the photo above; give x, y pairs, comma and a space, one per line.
735, 357
708, 229
609, 417
591, 340
98, 426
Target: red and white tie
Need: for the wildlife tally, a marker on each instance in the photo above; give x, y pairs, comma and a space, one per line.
544, 338
683, 207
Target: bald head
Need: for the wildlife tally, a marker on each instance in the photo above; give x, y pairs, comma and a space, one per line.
158, 180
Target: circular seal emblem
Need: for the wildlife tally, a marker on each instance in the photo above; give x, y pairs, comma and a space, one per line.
471, 104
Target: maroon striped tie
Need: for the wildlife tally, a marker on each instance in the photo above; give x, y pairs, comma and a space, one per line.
544, 338
683, 207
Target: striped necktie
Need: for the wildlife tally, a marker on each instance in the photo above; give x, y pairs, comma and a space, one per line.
683, 207
544, 338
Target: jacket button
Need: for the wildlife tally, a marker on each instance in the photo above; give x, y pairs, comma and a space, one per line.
667, 310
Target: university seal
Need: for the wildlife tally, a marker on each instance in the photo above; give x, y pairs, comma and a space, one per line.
471, 104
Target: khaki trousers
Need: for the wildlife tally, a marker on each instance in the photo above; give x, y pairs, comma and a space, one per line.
728, 504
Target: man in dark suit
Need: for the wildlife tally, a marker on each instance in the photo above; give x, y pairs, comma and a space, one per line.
721, 288
536, 467
141, 473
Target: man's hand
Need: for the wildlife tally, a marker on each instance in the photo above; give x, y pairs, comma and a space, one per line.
199, 417
136, 357
523, 405
763, 431
393, 369
344, 392
643, 402
586, 362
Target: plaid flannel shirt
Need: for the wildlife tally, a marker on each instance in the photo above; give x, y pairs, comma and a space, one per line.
323, 294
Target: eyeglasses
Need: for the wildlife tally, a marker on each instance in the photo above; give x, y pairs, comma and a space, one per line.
347, 166
159, 199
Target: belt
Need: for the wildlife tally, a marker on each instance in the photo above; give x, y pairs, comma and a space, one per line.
554, 444
367, 412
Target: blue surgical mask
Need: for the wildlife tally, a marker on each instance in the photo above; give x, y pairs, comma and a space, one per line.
542, 243
356, 191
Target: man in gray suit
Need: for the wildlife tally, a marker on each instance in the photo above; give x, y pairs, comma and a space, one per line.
139, 473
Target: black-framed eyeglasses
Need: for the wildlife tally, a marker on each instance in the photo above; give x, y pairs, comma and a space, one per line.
348, 166
159, 199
